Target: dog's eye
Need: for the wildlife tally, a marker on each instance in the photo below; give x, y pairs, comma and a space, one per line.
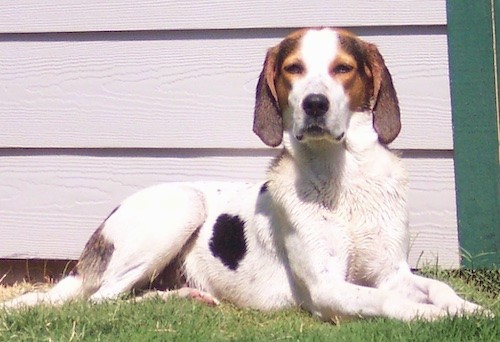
342, 69
294, 68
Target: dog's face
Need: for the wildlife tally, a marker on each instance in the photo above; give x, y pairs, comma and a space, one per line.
319, 82
315, 79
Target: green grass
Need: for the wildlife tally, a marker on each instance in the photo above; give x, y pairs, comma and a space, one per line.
185, 320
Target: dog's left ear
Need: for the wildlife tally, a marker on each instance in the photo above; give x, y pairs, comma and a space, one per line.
384, 103
268, 122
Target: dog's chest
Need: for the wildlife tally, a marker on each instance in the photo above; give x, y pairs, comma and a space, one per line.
372, 201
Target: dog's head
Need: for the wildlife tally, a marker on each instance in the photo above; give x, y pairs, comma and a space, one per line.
315, 79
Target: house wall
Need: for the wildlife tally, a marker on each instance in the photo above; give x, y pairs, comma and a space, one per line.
98, 100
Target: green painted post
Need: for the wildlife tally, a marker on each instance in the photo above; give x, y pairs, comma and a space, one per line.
474, 97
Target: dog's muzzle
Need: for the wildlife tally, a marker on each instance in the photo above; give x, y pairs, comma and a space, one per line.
316, 106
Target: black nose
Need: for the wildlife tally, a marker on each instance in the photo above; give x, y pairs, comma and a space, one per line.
315, 104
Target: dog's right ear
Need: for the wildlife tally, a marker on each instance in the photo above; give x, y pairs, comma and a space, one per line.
268, 122
385, 107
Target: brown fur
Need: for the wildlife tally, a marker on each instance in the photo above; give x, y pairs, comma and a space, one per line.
95, 257
268, 122
386, 115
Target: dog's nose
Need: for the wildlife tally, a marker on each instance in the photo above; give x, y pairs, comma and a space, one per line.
315, 104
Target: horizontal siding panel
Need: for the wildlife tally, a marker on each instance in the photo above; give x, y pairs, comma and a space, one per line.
432, 208
120, 15
50, 204
185, 90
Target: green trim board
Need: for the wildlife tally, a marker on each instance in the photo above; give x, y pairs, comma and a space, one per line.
496, 20
472, 43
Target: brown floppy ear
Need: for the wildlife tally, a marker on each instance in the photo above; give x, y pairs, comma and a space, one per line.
384, 103
267, 122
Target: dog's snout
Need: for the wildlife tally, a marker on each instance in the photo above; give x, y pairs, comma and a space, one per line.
315, 104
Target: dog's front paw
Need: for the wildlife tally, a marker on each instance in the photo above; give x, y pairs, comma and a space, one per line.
465, 308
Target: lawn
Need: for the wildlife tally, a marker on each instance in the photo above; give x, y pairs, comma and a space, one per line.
185, 320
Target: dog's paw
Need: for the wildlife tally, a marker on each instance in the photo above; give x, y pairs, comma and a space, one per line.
198, 295
185, 292
465, 308
26, 300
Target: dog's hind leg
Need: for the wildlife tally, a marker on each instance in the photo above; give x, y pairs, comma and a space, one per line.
131, 247
148, 231
68, 288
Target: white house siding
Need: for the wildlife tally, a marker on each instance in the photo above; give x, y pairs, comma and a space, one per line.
99, 99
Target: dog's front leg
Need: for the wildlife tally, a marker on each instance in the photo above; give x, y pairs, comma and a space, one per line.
318, 257
421, 289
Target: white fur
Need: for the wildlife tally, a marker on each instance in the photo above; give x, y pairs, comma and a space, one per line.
329, 234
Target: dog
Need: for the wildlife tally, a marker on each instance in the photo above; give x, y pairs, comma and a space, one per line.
326, 231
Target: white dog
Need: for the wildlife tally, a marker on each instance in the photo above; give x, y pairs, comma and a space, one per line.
327, 230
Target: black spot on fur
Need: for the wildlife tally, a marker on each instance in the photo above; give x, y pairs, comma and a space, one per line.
228, 240
263, 188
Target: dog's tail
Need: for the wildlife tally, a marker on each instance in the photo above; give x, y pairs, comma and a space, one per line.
71, 287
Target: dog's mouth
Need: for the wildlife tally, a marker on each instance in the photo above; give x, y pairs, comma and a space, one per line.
318, 132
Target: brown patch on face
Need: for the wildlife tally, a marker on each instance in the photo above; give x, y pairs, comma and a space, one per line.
289, 66
350, 69
284, 83
380, 95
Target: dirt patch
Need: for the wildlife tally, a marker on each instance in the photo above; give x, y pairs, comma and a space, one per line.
10, 291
